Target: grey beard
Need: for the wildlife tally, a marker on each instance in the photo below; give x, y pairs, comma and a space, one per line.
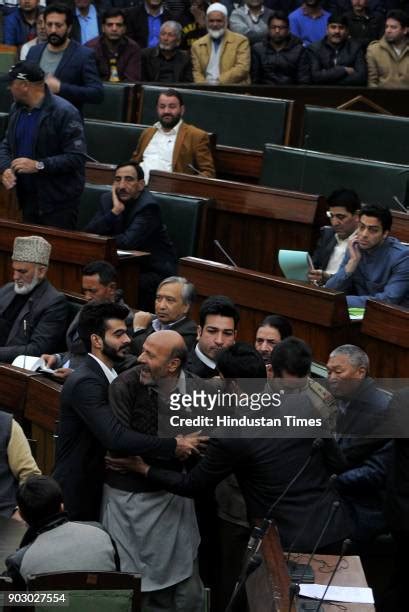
26, 288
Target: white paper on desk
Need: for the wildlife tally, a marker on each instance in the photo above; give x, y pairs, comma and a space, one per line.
119, 252
337, 593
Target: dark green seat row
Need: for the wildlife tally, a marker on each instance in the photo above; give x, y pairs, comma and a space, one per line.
111, 142
183, 215
4, 119
355, 134
238, 120
320, 173
115, 107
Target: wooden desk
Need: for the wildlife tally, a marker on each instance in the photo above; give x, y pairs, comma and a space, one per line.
385, 337
42, 409
13, 391
251, 222
70, 252
319, 316
11, 534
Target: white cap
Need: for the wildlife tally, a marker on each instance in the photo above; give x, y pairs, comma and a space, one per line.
217, 6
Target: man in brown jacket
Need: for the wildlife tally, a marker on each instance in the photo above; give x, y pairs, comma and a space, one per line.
172, 145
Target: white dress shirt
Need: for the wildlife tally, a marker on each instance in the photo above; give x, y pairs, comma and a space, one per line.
159, 152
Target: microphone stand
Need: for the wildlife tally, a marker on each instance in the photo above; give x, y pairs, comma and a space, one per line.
252, 559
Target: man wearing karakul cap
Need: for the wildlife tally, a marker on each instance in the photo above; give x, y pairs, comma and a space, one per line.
32, 312
220, 57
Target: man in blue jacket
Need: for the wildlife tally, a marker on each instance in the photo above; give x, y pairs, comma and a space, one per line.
43, 152
70, 68
20, 25
375, 265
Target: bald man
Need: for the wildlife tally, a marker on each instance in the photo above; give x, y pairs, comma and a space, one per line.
146, 522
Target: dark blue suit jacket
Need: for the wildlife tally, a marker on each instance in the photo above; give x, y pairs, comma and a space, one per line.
77, 71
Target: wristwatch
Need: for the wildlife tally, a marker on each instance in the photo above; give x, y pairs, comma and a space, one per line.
39, 165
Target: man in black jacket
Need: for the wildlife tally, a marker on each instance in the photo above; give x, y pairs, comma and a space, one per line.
281, 58
337, 59
43, 152
132, 215
166, 63
144, 21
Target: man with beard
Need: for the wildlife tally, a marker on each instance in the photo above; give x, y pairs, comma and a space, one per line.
132, 216
32, 313
43, 152
172, 145
337, 59
166, 63
70, 68
118, 57
130, 509
221, 57
281, 58
88, 427
20, 25
217, 329
309, 22
388, 58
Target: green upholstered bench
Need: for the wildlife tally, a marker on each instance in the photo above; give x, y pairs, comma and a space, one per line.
6, 99
184, 216
320, 173
238, 120
115, 106
111, 142
356, 134
4, 119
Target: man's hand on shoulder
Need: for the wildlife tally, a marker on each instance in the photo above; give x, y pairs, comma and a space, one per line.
9, 179
191, 443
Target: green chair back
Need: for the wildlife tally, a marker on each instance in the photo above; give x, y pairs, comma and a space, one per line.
237, 120
356, 134
321, 173
114, 107
110, 142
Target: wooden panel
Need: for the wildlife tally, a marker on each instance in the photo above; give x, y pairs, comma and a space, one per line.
13, 389
319, 316
251, 222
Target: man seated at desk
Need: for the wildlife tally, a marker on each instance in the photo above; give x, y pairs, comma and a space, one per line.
131, 214
32, 312
171, 144
375, 265
343, 207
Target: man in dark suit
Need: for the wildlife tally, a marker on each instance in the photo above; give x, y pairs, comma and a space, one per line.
217, 330
99, 283
88, 427
366, 454
144, 21
343, 207
174, 297
71, 68
166, 63
132, 215
32, 313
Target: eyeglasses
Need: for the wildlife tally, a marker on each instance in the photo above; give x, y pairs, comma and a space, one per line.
339, 216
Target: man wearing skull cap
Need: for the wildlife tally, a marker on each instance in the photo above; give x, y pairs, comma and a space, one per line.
32, 312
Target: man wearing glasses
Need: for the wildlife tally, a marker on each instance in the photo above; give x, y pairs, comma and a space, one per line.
375, 265
343, 208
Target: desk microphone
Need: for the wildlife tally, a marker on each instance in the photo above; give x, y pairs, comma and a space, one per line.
332, 513
399, 203
196, 171
252, 559
225, 253
92, 159
298, 569
345, 545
